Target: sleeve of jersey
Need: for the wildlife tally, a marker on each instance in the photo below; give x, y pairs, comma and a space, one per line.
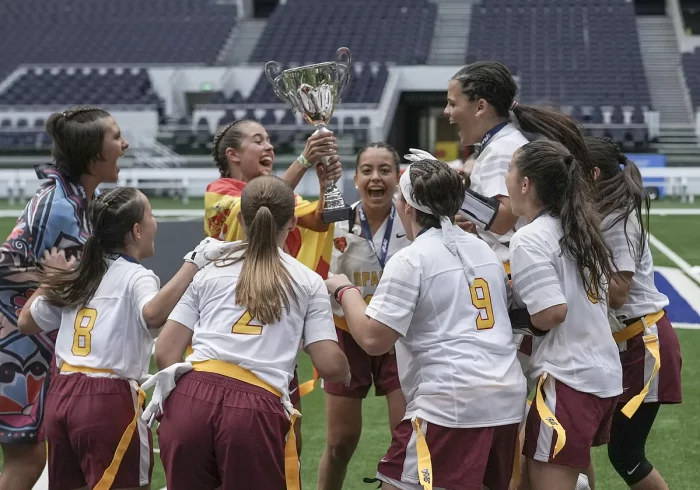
493, 175
144, 289
45, 315
397, 294
535, 279
318, 321
186, 312
623, 251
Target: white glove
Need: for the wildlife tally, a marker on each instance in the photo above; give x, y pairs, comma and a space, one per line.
417, 155
164, 382
208, 249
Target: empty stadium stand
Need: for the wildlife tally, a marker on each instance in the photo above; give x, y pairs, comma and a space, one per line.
568, 52
71, 86
310, 30
691, 68
105, 31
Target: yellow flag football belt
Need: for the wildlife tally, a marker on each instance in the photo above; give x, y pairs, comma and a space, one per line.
651, 342
548, 417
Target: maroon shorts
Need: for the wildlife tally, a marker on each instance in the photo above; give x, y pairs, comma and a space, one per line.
294, 395
586, 419
637, 364
217, 431
84, 421
462, 459
365, 371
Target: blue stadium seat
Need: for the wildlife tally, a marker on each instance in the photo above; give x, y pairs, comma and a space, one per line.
67, 87
562, 59
310, 31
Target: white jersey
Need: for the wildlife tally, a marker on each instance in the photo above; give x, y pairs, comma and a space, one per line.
456, 356
225, 331
580, 352
353, 256
488, 178
643, 297
109, 332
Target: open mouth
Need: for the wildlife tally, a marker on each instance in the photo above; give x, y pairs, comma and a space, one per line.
266, 161
376, 192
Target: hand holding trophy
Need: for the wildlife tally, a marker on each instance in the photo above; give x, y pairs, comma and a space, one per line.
314, 91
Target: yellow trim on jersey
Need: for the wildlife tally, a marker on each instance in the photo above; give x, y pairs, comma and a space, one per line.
637, 327
291, 458
67, 368
425, 464
506, 266
548, 417
110, 473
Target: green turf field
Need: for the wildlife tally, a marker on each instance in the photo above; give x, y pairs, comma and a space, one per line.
674, 444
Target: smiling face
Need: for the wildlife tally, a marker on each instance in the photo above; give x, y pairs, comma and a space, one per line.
376, 178
113, 147
254, 156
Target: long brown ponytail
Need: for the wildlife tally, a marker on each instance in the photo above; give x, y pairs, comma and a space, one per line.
557, 178
265, 285
113, 215
620, 189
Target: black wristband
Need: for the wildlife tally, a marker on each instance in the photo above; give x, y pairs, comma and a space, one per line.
340, 288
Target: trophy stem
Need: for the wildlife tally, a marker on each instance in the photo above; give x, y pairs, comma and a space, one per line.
334, 208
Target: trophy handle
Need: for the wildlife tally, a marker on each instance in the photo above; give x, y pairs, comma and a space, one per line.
343, 61
273, 72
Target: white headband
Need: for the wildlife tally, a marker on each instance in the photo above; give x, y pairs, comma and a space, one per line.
445, 224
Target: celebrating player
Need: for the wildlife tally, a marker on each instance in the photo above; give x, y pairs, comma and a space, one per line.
480, 99
105, 308
560, 266
87, 143
649, 347
226, 423
242, 151
363, 246
455, 354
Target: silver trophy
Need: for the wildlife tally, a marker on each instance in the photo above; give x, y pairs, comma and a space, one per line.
314, 91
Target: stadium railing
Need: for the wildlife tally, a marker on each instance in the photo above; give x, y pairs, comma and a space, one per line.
18, 185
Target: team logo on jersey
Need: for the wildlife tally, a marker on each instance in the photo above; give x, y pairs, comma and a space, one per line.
340, 244
426, 475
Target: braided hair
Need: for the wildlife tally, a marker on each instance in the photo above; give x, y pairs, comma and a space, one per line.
439, 187
78, 136
230, 136
113, 215
493, 82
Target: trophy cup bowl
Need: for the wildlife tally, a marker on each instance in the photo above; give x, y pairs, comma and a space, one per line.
314, 91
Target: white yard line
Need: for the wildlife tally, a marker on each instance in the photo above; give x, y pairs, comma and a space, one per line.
674, 257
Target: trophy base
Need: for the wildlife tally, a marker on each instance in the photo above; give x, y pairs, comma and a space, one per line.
334, 215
